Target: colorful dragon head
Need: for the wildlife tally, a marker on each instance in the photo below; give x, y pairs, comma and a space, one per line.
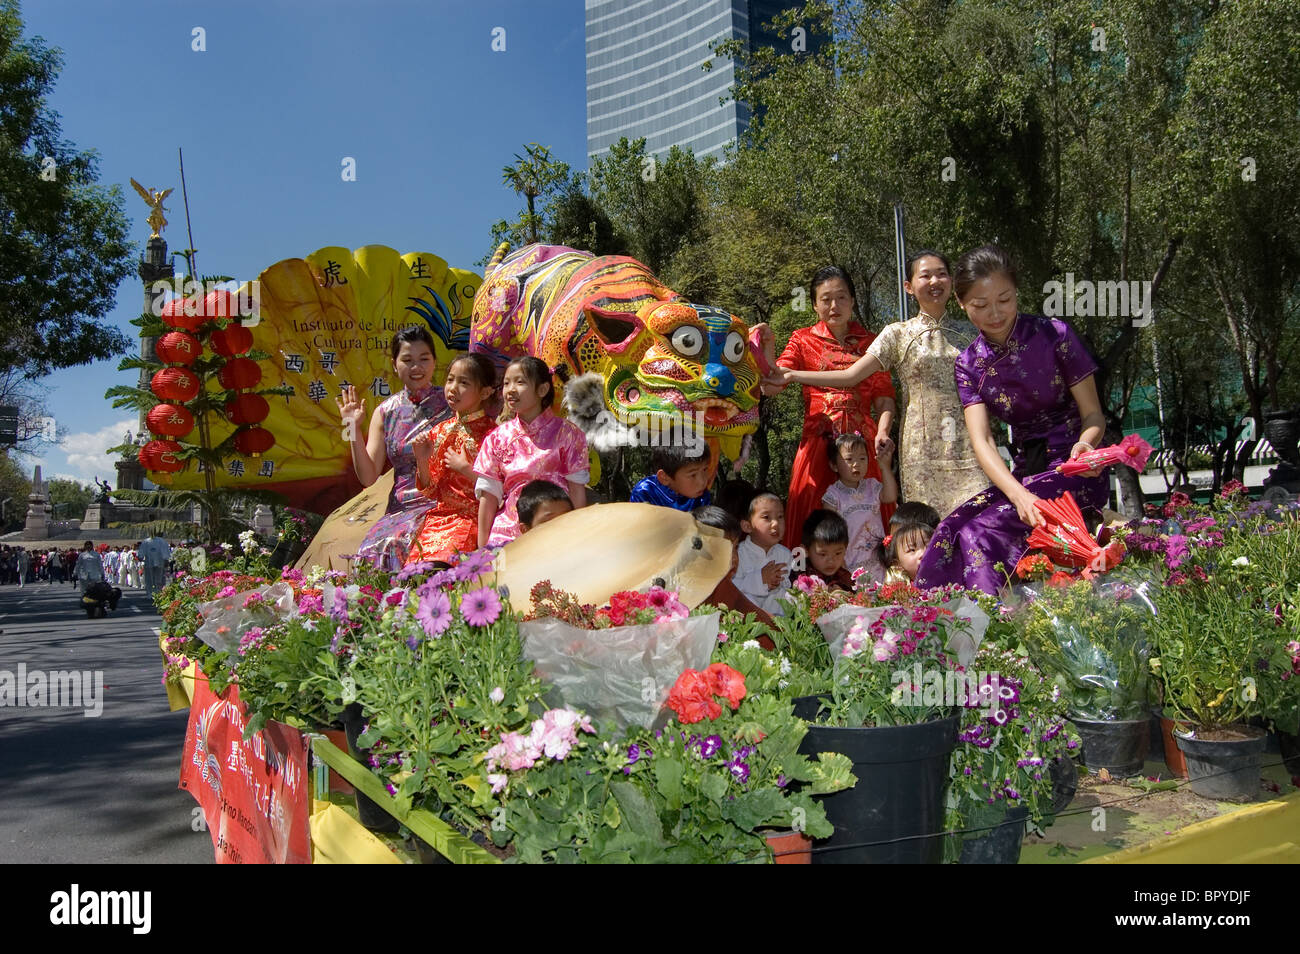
663, 360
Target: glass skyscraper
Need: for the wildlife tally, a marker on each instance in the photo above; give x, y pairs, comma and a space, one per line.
644, 75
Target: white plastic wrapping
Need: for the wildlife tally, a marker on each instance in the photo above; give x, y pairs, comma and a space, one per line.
620, 676
836, 624
225, 620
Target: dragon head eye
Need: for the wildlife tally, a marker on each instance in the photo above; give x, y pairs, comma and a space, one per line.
687, 341
734, 349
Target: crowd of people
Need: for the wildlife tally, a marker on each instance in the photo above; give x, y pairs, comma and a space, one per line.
121, 565
462, 480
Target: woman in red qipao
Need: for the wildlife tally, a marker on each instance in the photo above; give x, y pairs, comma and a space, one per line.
444, 469
835, 342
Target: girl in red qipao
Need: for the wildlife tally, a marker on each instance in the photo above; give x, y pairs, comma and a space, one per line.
444, 468
835, 342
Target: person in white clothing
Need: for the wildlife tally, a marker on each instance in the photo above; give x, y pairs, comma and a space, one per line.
155, 553
89, 568
763, 562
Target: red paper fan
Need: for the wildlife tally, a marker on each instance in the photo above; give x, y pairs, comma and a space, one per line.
1132, 450
1065, 538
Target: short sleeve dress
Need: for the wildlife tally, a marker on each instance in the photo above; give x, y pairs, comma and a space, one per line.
860, 508
1025, 383
936, 463
519, 452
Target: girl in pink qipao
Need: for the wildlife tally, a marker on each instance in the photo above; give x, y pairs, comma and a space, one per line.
534, 444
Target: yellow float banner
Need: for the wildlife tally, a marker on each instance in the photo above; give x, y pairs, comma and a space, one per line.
339, 839
327, 321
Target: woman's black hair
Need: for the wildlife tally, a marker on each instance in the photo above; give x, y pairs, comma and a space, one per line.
921, 253
981, 263
828, 272
411, 335
537, 373
834, 447
481, 368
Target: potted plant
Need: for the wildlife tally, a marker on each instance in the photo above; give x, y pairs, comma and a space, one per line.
1223, 633
892, 710
1013, 732
1090, 638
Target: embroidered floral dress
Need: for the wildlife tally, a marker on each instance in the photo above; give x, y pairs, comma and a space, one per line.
860, 508
936, 463
451, 525
405, 417
518, 452
828, 413
1025, 383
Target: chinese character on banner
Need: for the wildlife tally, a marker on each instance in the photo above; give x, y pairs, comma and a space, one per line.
332, 276
420, 269
236, 468
294, 362
344, 385
291, 393
267, 469
316, 391
379, 388
329, 360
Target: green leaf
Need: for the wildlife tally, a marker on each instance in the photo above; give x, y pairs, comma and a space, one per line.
637, 812
668, 774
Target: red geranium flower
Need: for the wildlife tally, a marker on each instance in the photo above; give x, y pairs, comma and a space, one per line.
1060, 579
726, 682
692, 698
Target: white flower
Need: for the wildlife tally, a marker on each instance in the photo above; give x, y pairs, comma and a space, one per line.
1241, 561
750, 644
497, 695
785, 666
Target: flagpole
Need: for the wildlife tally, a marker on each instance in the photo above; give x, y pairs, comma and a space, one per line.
900, 255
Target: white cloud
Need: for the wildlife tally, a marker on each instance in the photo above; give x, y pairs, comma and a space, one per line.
87, 455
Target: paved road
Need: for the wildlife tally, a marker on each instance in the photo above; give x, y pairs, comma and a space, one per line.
97, 789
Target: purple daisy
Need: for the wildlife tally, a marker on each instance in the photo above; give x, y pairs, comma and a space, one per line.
740, 770
481, 607
709, 746
434, 613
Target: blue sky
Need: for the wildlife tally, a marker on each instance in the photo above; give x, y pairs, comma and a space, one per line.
283, 92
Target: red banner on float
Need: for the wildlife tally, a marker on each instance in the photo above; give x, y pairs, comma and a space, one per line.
254, 792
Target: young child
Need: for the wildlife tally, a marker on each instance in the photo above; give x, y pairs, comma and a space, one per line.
443, 471
540, 501
534, 444
914, 511
763, 570
903, 551
726, 594
857, 498
825, 541
680, 479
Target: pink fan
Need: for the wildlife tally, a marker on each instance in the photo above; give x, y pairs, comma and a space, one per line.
1132, 450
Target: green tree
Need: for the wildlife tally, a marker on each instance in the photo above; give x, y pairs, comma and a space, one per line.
14, 489
541, 180
69, 498
63, 237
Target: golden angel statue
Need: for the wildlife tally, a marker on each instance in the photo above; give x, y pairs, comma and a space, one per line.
155, 200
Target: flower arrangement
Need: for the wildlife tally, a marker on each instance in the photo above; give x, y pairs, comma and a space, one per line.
625, 608
1091, 639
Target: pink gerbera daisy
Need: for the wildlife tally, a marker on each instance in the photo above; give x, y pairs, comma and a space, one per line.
434, 612
480, 607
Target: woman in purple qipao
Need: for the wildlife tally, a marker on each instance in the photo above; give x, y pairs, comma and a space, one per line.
1034, 374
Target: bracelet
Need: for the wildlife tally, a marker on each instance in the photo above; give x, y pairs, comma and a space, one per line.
1089, 446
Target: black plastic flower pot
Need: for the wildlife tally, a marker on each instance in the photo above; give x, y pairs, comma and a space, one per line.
372, 816
1119, 746
1228, 769
894, 814
1065, 782
1001, 846
1289, 746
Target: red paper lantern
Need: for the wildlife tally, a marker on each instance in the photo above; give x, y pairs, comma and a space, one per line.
180, 313
240, 374
177, 347
175, 384
231, 340
170, 420
161, 456
218, 304
254, 442
247, 409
